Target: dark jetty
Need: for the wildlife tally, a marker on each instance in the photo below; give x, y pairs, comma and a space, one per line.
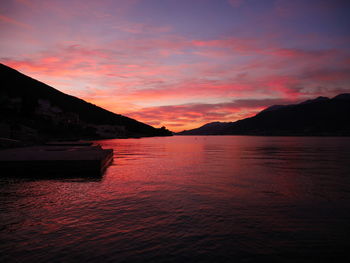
56, 159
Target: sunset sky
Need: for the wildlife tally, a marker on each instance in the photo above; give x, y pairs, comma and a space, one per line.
181, 63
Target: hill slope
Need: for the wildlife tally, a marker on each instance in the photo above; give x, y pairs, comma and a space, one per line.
30, 108
321, 116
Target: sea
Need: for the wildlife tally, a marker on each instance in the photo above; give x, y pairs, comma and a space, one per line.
188, 199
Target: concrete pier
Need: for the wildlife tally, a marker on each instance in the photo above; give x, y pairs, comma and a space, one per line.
57, 159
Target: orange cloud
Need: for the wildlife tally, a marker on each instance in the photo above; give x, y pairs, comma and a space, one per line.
189, 116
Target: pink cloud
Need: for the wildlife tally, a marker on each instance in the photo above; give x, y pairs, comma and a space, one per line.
329, 75
128, 76
137, 28
25, 2
11, 21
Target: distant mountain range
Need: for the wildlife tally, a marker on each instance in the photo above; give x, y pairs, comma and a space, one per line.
32, 110
318, 117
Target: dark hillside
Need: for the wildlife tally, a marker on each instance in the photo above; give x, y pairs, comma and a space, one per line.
321, 116
36, 105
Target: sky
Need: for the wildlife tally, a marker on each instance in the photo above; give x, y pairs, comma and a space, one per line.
181, 63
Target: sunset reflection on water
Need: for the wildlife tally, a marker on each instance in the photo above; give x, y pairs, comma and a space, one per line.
210, 198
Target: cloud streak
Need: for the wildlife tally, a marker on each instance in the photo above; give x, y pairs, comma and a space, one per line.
11, 21
175, 70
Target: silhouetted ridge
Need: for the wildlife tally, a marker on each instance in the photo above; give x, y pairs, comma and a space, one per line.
211, 128
320, 98
344, 96
274, 107
28, 103
320, 116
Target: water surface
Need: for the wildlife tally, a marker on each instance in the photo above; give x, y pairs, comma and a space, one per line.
188, 199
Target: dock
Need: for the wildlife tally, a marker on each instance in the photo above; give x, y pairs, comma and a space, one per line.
58, 159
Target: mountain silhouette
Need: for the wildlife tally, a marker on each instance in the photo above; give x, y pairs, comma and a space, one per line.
318, 117
30, 109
